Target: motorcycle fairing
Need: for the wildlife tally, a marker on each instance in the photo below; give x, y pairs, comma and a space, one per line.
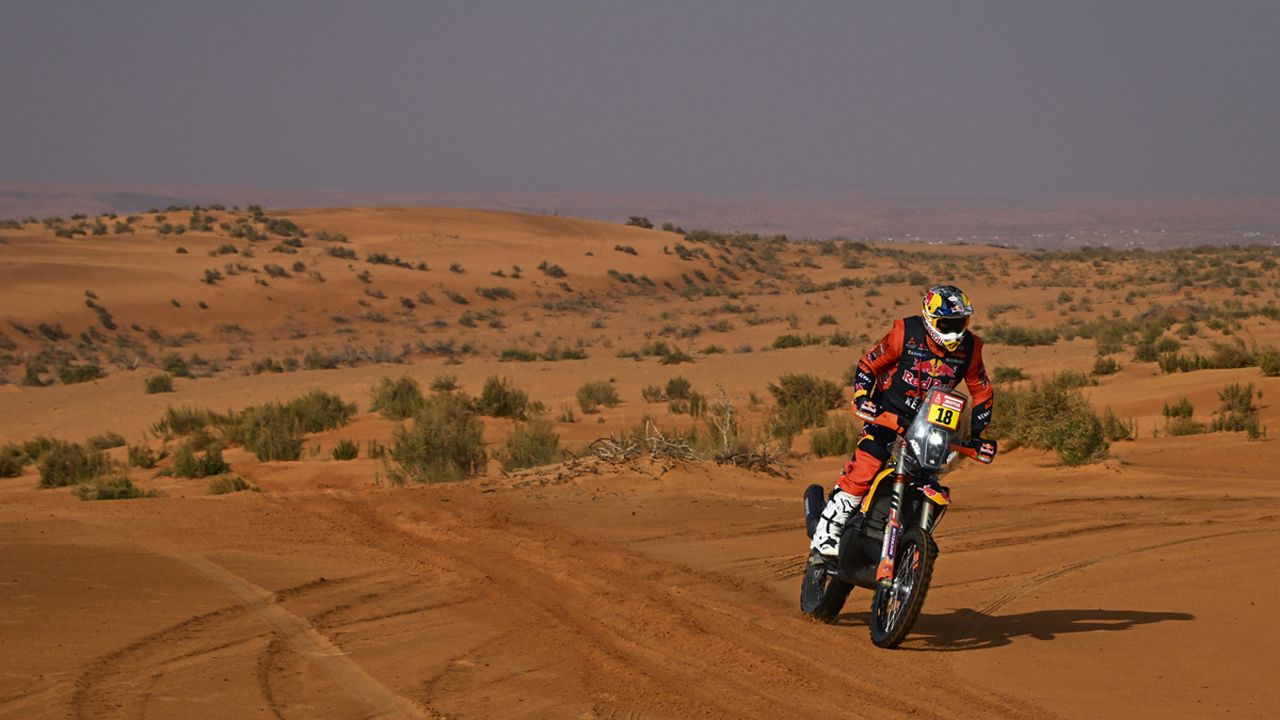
936, 493
875, 483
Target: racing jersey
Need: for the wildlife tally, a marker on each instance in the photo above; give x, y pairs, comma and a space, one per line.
897, 372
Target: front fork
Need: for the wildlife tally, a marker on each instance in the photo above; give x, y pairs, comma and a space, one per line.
893, 529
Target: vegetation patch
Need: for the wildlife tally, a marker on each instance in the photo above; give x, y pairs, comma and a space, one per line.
113, 487
444, 443
501, 398
1054, 415
68, 463
397, 398
594, 394
801, 401
531, 444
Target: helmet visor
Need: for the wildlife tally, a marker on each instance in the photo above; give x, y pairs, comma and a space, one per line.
951, 326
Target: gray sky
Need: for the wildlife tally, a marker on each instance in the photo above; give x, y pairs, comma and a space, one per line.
709, 97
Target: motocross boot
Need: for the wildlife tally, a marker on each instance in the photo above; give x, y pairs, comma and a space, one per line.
826, 536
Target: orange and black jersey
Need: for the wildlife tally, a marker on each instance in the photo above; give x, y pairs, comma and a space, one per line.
897, 372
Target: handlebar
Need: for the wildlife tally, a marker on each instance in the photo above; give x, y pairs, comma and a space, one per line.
894, 423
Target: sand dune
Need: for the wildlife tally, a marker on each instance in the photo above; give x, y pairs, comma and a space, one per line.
1131, 587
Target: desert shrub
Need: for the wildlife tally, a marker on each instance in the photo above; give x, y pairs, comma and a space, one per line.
838, 437
652, 394
1237, 411
676, 357
12, 461
827, 320
1181, 409
444, 383
1184, 426
346, 450
594, 394
226, 484
397, 398
1005, 374
186, 464
161, 383
554, 271
174, 364
142, 456
183, 420
275, 271
317, 411
444, 443
270, 432
1014, 335
73, 374
1051, 416
112, 487
678, 388
530, 444
801, 401
35, 449
105, 441
496, 293
1116, 429
517, 355
501, 398
1105, 366
68, 463
1269, 361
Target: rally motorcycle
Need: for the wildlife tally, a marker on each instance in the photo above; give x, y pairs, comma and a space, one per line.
889, 547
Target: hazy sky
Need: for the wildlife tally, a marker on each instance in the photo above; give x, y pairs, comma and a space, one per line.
793, 97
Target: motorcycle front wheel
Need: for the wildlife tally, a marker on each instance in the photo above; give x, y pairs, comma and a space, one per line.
895, 609
821, 595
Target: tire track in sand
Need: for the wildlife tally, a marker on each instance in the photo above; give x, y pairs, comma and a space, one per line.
301, 637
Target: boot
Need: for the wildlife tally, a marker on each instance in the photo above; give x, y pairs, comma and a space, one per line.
826, 537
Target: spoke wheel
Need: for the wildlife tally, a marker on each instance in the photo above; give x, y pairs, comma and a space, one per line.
821, 595
895, 609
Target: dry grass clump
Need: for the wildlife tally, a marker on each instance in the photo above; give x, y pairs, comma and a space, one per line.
186, 464
1052, 415
531, 444
226, 484
161, 383
801, 401
501, 398
397, 398
346, 450
111, 487
105, 441
68, 463
594, 394
444, 443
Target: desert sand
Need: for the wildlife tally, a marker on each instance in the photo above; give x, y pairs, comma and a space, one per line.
1140, 585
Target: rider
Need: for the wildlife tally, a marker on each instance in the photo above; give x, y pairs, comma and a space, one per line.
933, 350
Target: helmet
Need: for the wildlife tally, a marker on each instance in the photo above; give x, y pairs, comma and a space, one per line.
946, 312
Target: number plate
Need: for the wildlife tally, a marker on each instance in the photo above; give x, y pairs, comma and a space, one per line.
944, 409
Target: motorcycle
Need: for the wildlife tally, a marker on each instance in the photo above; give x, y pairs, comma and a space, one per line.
889, 546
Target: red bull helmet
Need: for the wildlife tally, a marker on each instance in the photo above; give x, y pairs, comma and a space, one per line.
946, 312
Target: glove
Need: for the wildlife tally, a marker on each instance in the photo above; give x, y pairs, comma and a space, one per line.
866, 408
986, 449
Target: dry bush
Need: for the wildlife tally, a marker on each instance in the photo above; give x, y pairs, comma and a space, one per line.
501, 398
530, 444
161, 383
594, 394
839, 437
226, 484
444, 443
67, 463
111, 487
801, 401
397, 398
1053, 415
346, 450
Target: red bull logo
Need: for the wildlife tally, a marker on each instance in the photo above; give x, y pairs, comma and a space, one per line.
933, 368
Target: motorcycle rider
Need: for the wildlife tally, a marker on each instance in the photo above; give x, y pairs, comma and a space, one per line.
920, 353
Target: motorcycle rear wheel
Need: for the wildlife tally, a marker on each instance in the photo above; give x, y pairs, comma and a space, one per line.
894, 610
822, 596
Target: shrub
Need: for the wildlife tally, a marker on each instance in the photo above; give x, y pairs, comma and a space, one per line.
445, 443
346, 450
67, 463
652, 394
1237, 411
73, 374
186, 464
594, 394
176, 365
530, 444
1184, 426
271, 432
676, 357
678, 388
317, 411
12, 461
1181, 409
114, 487
1105, 366
1014, 335
444, 383
225, 484
1269, 361
1116, 429
838, 437
397, 398
501, 398
275, 271
1004, 374
105, 441
142, 456
161, 383
184, 420
801, 401
827, 320
1052, 416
